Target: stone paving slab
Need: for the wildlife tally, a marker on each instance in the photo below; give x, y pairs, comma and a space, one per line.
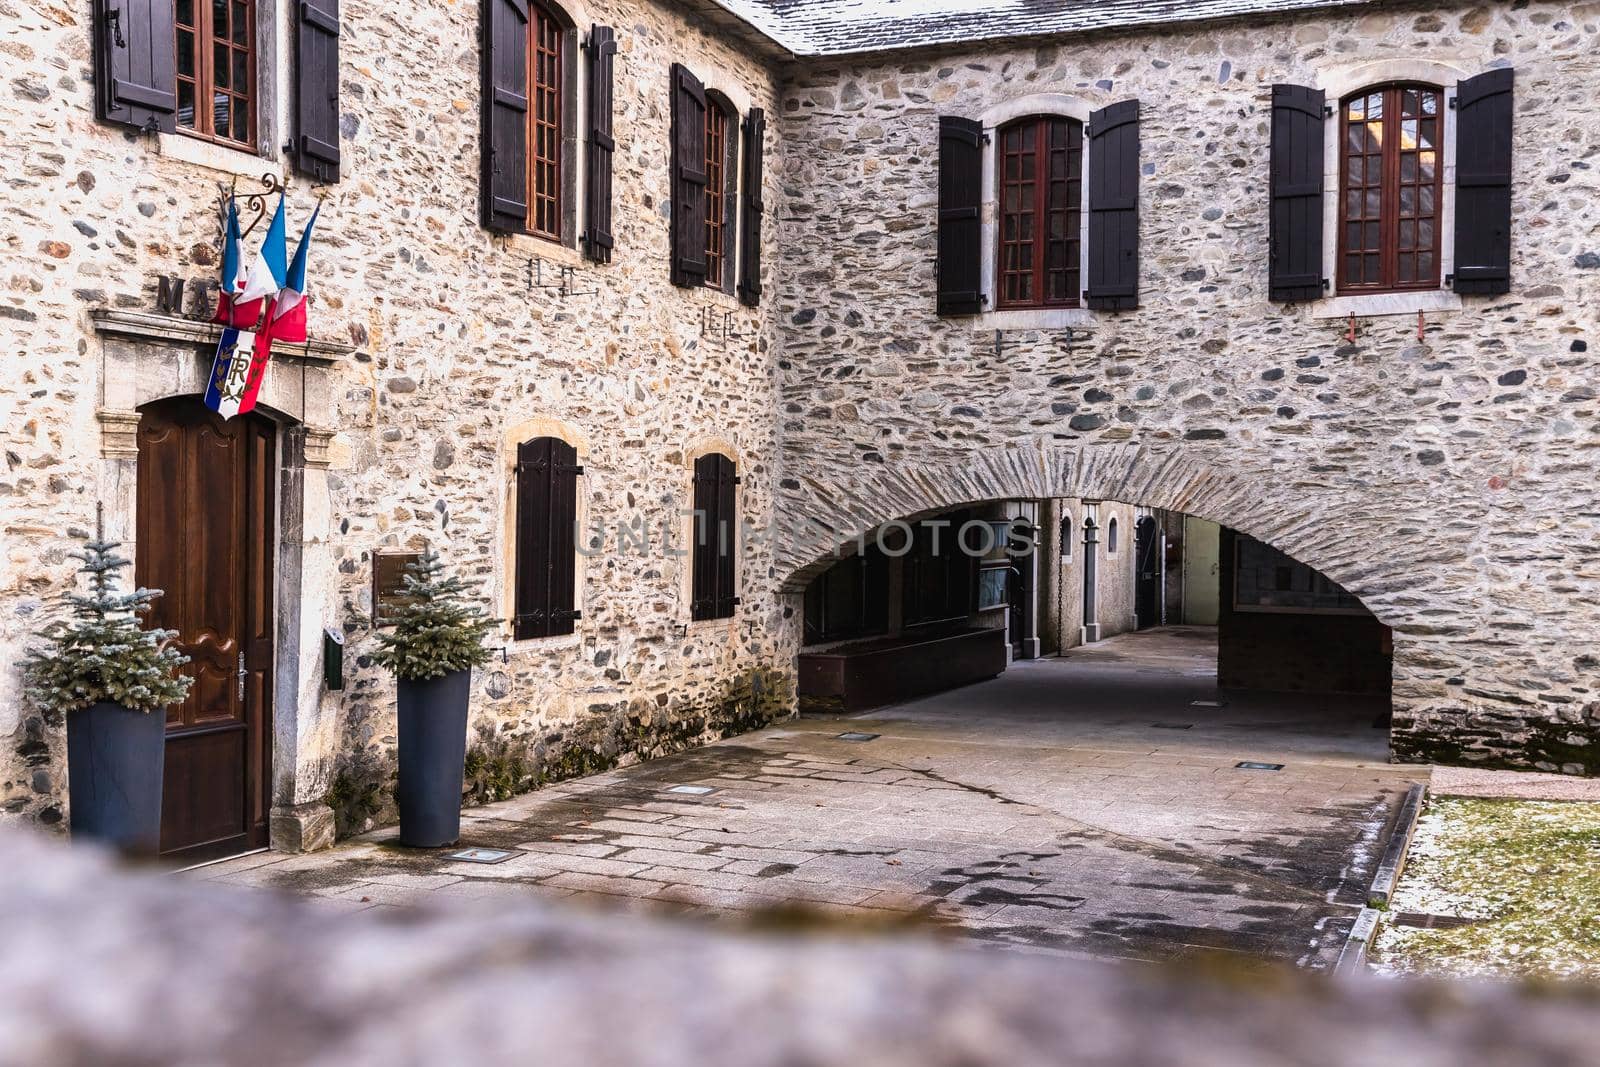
1040, 810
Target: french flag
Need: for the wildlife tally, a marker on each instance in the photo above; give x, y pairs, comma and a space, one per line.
266, 275
288, 314
230, 311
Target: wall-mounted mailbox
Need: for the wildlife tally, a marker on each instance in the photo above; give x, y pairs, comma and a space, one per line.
332, 659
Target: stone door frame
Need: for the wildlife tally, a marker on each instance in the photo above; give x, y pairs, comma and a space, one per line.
148, 357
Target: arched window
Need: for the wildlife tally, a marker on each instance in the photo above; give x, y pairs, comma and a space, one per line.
1040, 164
714, 576
1391, 186
1111, 537
546, 556
1066, 537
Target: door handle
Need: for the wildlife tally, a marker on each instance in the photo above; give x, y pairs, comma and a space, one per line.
242, 675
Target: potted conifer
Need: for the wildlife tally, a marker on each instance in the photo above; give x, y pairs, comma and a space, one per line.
112, 681
436, 641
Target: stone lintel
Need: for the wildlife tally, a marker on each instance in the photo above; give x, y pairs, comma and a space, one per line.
150, 326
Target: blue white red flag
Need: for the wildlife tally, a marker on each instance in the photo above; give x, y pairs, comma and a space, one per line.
268, 270
230, 312
287, 318
230, 373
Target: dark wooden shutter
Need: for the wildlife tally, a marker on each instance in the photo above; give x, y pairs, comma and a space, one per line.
688, 178
727, 540
960, 224
1483, 184
136, 79
1113, 280
1294, 267
546, 556
317, 90
755, 132
504, 182
600, 146
703, 553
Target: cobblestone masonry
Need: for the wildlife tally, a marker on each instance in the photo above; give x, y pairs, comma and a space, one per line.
1448, 480
452, 351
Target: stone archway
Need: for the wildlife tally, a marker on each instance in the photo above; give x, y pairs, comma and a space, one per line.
1426, 588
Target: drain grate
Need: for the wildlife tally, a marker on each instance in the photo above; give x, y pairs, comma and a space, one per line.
480, 855
853, 736
693, 790
1251, 765
1172, 726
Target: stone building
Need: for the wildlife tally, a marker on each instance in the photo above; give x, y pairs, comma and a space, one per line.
1423, 436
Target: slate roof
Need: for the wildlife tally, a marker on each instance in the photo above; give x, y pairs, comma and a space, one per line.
842, 27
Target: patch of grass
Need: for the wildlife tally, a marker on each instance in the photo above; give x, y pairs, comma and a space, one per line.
1527, 871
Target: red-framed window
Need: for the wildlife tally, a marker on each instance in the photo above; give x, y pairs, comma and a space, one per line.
1041, 198
546, 42
1391, 166
216, 65
716, 193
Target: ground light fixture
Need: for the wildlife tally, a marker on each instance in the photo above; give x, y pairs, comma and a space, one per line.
852, 735
480, 855
693, 790
1251, 765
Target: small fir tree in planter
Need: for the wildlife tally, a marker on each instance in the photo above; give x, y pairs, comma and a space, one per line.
112, 680
438, 637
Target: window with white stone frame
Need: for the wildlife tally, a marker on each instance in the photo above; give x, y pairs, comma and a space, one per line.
1389, 175
1033, 220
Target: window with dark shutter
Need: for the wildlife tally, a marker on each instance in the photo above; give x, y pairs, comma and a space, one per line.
546, 555
1483, 184
713, 559
505, 116
317, 90
1039, 163
1295, 224
135, 63
1113, 281
688, 178
600, 146
960, 225
1391, 188
755, 129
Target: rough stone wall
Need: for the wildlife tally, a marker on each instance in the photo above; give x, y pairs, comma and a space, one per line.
453, 350
1446, 479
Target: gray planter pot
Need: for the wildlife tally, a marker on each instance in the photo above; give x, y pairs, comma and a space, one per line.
115, 758
433, 754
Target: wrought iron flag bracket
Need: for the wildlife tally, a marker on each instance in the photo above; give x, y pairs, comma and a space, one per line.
253, 203
565, 278
718, 327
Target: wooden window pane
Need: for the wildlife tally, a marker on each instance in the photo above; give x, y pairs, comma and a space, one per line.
716, 194
546, 41
1040, 168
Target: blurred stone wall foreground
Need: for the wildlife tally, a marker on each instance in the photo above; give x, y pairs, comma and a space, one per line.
99, 966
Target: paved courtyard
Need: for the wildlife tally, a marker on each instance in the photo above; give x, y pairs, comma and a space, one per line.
1081, 804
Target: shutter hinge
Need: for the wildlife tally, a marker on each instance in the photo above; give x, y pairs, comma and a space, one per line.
737, 480
1451, 103
986, 138
1450, 279
1325, 285
1327, 110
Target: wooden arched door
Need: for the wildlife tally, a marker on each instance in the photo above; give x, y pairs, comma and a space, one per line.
206, 535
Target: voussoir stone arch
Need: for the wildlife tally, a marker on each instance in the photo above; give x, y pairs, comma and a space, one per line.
1266, 504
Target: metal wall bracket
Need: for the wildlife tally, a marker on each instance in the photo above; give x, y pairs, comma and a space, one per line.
561, 283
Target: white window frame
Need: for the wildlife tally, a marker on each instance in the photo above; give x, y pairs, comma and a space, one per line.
1336, 85
1054, 105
